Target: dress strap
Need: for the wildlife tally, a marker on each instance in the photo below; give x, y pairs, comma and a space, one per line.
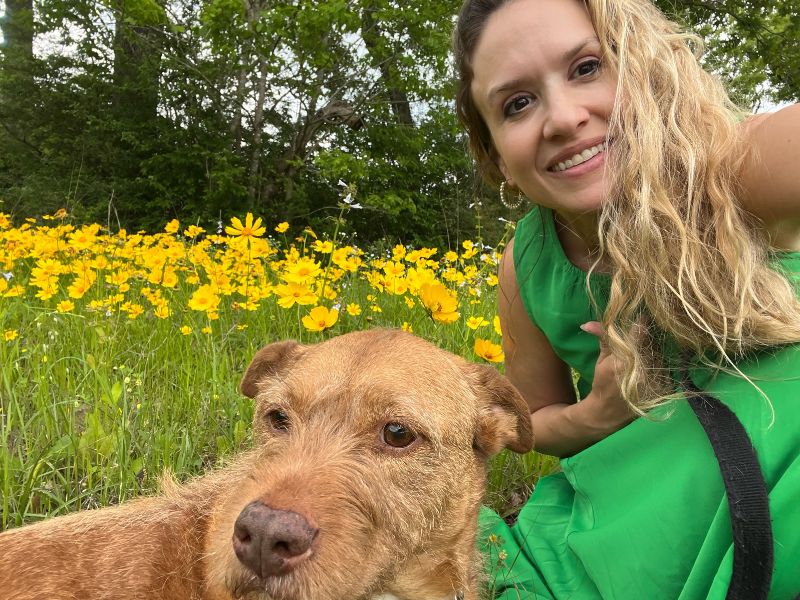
753, 553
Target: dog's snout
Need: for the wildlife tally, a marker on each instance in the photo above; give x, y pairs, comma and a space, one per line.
271, 542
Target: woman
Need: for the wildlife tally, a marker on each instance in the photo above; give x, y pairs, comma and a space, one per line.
667, 224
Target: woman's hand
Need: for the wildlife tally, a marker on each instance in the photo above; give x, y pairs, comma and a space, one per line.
604, 410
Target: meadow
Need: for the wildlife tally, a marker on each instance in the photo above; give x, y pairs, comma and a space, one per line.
121, 352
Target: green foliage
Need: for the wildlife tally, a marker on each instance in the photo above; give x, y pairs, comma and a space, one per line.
753, 45
190, 108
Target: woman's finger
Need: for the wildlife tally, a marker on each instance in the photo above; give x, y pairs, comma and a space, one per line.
595, 328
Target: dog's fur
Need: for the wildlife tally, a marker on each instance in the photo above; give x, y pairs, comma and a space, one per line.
384, 522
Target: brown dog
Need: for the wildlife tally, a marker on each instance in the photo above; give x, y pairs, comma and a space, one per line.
365, 483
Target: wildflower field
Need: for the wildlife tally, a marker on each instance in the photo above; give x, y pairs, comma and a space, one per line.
121, 352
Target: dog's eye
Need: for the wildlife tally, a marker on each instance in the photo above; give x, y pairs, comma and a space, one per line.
397, 436
278, 420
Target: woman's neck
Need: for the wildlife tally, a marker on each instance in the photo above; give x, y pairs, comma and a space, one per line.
578, 236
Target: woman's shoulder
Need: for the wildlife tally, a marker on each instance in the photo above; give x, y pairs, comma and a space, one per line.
769, 183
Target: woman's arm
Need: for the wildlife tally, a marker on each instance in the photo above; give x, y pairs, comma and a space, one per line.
771, 174
561, 426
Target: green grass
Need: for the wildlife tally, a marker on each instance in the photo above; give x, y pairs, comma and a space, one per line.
95, 406
93, 409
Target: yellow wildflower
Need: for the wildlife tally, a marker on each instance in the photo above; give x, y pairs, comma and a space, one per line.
205, 299
496, 324
394, 269
172, 226
407, 327
65, 306
13, 291
294, 293
249, 229
345, 259
325, 247
47, 289
118, 278
441, 302
46, 267
302, 271
282, 227
79, 287
475, 322
84, 238
133, 310
353, 309
10, 334
162, 311
186, 330
488, 351
320, 318
396, 285
193, 231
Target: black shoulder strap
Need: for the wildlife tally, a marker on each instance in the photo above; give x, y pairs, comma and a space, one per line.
753, 554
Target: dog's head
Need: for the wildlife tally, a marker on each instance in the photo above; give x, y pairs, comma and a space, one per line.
372, 456
389, 363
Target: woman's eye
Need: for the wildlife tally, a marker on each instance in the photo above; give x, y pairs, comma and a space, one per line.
278, 420
586, 68
516, 105
397, 436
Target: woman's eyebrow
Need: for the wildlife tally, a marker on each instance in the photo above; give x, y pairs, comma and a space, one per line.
506, 86
579, 47
567, 56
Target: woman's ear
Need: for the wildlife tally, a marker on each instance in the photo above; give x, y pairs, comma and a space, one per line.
501, 167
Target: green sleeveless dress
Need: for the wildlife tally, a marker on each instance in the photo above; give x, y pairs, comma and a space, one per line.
642, 514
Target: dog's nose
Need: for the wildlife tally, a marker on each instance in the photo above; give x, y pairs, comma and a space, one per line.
271, 542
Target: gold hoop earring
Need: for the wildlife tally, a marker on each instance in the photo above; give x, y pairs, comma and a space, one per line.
504, 200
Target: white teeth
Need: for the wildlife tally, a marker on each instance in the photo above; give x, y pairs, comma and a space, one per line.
580, 158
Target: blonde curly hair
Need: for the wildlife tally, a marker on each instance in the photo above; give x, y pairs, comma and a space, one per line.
682, 250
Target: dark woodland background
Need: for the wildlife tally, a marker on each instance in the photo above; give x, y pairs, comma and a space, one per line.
132, 112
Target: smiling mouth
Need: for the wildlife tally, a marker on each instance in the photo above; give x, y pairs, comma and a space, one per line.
580, 158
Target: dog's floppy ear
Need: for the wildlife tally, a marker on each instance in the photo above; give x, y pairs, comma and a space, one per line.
504, 419
271, 359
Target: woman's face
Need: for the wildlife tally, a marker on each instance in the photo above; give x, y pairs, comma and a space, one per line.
546, 99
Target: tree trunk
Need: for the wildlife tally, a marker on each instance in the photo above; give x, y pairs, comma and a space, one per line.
258, 132
253, 9
17, 83
17, 27
137, 68
398, 98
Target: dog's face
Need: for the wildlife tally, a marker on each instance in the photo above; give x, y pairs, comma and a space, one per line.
371, 452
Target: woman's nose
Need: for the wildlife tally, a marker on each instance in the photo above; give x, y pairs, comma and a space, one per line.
566, 113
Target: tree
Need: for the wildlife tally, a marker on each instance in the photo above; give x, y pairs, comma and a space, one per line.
754, 45
17, 64
140, 110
